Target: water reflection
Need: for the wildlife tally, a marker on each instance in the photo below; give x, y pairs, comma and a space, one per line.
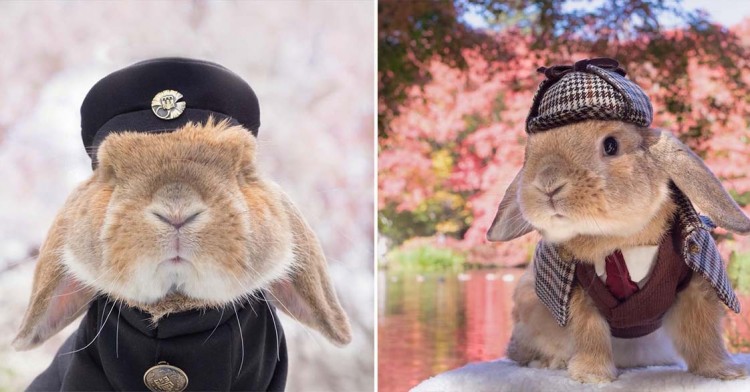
433, 322
430, 323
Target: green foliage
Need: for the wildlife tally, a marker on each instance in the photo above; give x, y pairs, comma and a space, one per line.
425, 258
739, 272
7, 374
743, 199
444, 213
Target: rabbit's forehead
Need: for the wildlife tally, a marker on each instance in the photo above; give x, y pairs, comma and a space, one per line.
218, 145
165, 144
186, 182
148, 153
175, 191
577, 138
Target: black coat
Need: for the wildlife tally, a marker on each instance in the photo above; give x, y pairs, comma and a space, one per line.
118, 358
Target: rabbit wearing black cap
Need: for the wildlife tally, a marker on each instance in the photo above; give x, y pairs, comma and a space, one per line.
190, 224
178, 230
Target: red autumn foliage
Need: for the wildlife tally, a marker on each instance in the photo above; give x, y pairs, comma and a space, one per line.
462, 134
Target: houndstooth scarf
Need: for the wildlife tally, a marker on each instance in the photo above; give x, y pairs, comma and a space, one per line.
555, 276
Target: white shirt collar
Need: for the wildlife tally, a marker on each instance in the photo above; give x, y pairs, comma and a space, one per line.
640, 261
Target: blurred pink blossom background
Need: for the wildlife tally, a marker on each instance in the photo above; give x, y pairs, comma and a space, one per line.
312, 66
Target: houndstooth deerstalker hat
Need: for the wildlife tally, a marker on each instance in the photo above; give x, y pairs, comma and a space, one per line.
591, 89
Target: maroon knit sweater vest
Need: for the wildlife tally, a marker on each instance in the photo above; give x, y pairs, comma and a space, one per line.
641, 313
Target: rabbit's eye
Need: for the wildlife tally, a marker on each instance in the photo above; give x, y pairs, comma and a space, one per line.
610, 146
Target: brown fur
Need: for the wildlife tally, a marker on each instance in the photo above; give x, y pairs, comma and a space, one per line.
592, 359
588, 247
695, 324
597, 191
537, 339
244, 234
608, 203
509, 211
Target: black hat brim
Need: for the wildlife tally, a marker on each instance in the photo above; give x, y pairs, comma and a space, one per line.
146, 121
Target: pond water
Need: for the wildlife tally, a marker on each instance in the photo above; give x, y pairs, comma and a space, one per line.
432, 322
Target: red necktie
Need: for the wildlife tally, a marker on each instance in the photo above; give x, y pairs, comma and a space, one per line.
618, 279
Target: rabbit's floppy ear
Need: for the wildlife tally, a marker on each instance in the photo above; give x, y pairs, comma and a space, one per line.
57, 298
695, 179
509, 222
308, 295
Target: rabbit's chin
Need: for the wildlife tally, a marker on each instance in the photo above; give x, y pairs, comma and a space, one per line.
557, 234
562, 229
149, 282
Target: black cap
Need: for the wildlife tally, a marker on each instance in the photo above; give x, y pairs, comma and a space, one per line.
161, 95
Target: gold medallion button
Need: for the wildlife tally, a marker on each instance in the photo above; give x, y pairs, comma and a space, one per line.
167, 105
164, 377
694, 248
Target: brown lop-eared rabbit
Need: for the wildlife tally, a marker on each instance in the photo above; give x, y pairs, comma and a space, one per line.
239, 234
589, 204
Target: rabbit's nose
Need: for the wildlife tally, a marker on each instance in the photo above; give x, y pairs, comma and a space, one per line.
550, 190
551, 179
176, 221
553, 192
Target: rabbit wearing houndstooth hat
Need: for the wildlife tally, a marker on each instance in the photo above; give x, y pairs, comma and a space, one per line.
627, 273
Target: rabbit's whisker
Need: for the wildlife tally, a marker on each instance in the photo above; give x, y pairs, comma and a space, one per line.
86, 304
516, 223
101, 319
242, 340
217, 326
278, 343
596, 223
96, 336
84, 285
241, 285
117, 331
601, 232
288, 312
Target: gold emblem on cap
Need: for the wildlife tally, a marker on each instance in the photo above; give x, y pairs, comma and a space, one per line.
164, 377
167, 105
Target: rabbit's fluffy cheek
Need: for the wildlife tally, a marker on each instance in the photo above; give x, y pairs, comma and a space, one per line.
216, 285
561, 202
190, 216
223, 253
594, 213
182, 241
570, 187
